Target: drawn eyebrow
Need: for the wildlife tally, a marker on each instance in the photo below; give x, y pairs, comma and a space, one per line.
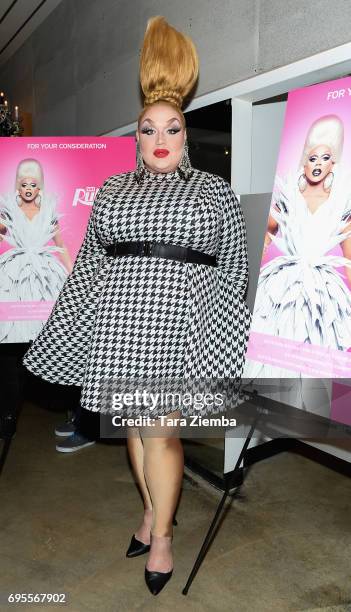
321, 155
169, 120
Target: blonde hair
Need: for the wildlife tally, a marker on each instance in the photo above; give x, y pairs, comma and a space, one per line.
327, 130
169, 65
29, 168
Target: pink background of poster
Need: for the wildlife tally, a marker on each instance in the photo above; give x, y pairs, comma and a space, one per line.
69, 174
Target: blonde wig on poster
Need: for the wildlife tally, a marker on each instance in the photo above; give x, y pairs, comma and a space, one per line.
327, 130
169, 65
29, 168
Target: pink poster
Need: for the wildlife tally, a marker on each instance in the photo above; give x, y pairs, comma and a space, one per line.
47, 188
302, 316
301, 325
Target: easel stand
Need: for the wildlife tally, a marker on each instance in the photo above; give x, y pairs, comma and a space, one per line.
6, 443
13, 373
218, 514
272, 416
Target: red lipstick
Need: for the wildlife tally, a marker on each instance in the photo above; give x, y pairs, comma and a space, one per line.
161, 152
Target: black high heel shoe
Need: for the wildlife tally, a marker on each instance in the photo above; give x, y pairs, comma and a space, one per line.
156, 580
136, 547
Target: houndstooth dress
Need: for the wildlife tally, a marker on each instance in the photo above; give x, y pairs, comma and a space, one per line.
135, 316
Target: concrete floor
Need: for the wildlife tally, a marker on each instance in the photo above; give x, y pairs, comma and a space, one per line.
66, 521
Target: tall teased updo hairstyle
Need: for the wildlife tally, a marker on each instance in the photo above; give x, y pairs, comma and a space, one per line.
29, 168
169, 65
327, 130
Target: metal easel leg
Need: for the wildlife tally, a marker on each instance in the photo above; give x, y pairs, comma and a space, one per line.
4, 453
212, 528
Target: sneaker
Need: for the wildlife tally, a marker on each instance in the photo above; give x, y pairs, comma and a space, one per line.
73, 443
65, 429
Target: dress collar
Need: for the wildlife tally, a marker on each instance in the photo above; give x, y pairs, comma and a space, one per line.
160, 176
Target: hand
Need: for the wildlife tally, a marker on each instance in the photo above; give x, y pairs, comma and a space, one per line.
265, 247
267, 242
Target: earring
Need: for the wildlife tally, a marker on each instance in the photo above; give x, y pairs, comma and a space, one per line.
302, 182
38, 204
18, 199
140, 169
184, 167
328, 181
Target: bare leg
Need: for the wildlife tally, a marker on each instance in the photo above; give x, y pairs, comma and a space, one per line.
163, 468
136, 455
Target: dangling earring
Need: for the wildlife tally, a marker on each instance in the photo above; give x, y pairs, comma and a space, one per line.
38, 204
328, 181
302, 182
19, 199
184, 167
140, 169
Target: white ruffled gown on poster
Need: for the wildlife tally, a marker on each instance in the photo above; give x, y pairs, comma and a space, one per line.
301, 295
29, 270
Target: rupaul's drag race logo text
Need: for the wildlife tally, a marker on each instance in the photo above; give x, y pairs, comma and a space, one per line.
84, 195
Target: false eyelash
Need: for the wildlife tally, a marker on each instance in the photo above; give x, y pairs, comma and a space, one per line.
146, 130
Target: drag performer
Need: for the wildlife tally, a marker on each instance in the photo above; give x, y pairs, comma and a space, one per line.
30, 269
157, 288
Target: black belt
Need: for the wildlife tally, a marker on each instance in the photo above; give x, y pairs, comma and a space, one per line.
149, 248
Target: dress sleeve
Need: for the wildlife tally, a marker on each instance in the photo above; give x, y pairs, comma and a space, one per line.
220, 318
232, 260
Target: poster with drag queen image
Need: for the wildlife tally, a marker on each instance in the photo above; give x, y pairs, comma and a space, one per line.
47, 188
302, 315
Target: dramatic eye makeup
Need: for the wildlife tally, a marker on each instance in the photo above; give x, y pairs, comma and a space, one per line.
147, 130
174, 129
325, 157
30, 184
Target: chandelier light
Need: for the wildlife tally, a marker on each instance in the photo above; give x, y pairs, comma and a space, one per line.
10, 123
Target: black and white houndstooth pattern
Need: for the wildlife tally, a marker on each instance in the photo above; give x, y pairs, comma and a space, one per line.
139, 317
